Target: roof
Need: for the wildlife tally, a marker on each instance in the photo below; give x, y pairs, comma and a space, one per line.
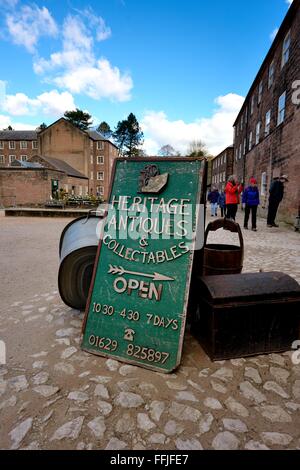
18, 163
95, 135
278, 39
18, 135
229, 147
64, 166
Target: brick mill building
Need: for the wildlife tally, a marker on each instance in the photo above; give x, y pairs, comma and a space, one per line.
83, 160
267, 129
222, 168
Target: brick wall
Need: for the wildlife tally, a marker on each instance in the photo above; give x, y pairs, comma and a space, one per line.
27, 187
279, 151
5, 152
222, 168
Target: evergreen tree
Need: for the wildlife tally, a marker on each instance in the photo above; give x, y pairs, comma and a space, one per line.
129, 136
105, 129
79, 119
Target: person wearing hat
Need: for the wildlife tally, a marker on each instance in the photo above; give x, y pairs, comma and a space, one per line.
251, 201
275, 198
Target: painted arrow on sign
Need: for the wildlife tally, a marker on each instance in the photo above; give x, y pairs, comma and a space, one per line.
120, 271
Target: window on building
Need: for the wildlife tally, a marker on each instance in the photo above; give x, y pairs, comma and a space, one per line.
1, 144
252, 105
236, 154
23, 158
100, 175
271, 74
246, 115
225, 158
281, 108
2, 159
34, 144
240, 151
260, 91
12, 144
92, 159
100, 160
11, 158
91, 144
268, 123
92, 175
242, 122
100, 190
80, 190
245, 146
264, 184
257, 134
100, 145
286, 49
66, 187
250, 140
23, 144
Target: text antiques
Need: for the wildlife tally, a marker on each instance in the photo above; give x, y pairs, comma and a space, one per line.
136, 310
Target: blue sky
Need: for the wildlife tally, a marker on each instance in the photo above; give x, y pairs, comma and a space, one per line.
182, 67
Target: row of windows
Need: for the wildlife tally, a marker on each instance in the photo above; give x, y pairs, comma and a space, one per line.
23, 144
100, 159
219, 178
11, 158
100, 145
280, 120
100, 175
271, 79
220, 161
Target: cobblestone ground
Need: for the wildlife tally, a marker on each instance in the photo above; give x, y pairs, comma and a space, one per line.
54, 396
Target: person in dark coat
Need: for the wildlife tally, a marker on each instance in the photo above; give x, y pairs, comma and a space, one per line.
251, 200
222, 203
213, 198
275, 198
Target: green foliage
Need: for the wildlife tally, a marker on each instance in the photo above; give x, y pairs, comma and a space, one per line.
197, 149
42, 126
79, 119
105, 129
129, 136
167, 151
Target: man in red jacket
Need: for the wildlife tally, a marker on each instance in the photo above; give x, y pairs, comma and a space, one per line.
232, 190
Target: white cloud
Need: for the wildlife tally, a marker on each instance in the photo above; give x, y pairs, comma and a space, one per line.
76, 67
9, 4
289, 2
274, 34
28, 24
216, 132
6, 121
50, 103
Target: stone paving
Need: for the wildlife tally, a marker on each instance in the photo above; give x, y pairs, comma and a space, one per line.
55, 396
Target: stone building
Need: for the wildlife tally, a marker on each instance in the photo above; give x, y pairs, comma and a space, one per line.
267, 136
222, 168
35, 182
86, 151
17, 145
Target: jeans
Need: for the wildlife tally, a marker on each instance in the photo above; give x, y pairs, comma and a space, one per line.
273, 208
214, 208
253, 210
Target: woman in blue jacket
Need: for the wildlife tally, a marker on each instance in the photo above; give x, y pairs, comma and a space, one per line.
251, 200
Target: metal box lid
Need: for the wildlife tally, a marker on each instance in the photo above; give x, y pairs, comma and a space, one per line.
249, 287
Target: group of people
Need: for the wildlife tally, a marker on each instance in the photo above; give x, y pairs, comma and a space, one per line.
229, 199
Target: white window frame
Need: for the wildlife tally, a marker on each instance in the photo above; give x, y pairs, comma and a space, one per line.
225, 158
264, 184
268, 123
245, 147
23, 158
252, 105
2, 159
286, 49
100, 175
100, 159
34, 144
23, 145
257, 133
100, 190
260, 92
281, 109
271, 74
250, 141
11, 158
1, 144
12, 145
240, 152
100, 145
92, 159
